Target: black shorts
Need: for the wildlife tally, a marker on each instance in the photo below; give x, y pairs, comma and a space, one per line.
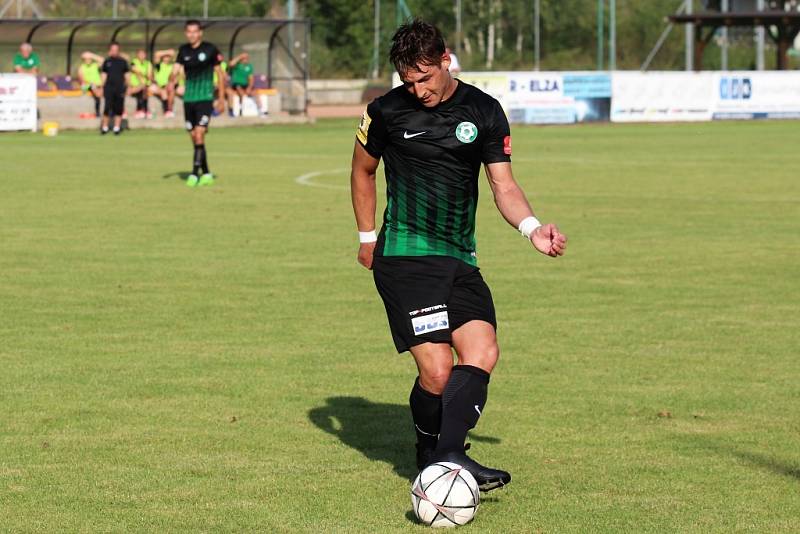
239, 86
428, 297
114, 104
198, 113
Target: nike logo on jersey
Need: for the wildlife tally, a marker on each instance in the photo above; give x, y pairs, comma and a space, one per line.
478, 409
407, 135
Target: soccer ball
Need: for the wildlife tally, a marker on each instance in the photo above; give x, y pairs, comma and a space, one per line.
445, 494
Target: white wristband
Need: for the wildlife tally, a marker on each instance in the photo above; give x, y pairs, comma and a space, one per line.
528, 225
367, 237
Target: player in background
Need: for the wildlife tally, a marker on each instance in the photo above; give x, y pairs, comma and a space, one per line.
242, 81
90, 78
141, 76
433, 133
115, 74
26, 61
160, 88
199, 61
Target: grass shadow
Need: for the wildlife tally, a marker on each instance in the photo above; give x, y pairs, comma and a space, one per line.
182, 175
769, 463
757, 459
380, 431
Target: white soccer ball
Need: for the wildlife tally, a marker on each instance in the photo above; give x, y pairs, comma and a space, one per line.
445, 494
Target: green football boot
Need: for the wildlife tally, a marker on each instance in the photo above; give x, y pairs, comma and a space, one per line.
206, 179
191, 180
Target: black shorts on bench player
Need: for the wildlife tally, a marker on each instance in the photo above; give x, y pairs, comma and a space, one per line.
434, 133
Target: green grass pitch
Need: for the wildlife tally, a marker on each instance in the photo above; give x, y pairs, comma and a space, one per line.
177, 360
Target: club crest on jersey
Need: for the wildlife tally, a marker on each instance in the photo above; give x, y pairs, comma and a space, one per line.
201, 56
466, 132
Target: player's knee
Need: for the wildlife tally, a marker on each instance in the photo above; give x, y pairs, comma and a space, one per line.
435, 380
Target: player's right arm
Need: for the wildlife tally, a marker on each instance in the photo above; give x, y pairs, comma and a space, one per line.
364, 195
371, 140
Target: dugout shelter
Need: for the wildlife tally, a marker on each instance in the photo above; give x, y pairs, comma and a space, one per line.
782, 27
278, 48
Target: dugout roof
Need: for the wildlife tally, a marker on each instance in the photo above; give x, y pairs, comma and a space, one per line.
782, 27
278, 48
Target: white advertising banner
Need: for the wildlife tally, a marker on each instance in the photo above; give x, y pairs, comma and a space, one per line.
757, 95
547, 97
17, 102
662, 96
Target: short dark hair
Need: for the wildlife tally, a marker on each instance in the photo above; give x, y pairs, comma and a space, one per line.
193, 22
414, 43
113, 43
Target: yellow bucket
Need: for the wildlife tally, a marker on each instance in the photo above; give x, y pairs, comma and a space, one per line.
50, 129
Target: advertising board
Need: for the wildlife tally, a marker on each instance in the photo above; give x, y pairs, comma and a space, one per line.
17, 102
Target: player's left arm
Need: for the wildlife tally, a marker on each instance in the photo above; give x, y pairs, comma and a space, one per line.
515, 208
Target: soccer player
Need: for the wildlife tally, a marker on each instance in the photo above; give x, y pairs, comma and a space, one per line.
90, 78
141, 76
199, 61
433, 134
26, 61
242, 80
115, 74
160, 86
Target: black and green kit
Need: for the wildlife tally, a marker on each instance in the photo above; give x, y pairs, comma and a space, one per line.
432, 159
198, 64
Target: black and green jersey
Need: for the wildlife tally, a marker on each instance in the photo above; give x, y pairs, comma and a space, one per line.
198, 64
432, 159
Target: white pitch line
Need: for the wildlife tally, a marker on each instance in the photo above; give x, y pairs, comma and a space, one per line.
307, 179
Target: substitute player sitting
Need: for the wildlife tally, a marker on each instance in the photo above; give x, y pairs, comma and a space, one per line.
90, 78
199, 61
433, 134
242, 81
160, 88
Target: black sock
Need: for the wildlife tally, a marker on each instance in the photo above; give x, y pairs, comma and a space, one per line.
462, 403
203, 162
96, 106
164, 106
426, 410
138, 101
197, 160
145, 103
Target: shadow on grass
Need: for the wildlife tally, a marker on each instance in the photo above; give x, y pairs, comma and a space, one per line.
182, 175
769, 463
380, 431
758, 459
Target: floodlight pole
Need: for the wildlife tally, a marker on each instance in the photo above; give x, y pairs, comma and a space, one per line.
689, 37
537, 33
600, 36
459, 38
376, 40
205, 9
760, 35
114, 9
612, 34
724, 48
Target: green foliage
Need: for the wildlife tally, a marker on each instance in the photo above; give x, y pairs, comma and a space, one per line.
343, 30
